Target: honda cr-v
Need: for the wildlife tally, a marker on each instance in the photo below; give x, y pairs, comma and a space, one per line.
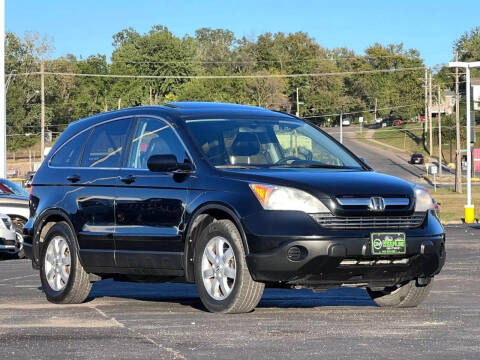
231, 198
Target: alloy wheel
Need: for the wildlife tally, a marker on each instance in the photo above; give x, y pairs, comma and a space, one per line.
219, 268
57, 263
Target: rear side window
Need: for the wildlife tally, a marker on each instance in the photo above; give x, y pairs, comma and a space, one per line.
106, 145
69, 154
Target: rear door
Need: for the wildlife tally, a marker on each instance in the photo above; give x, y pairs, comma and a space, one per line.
91, 195
150, 207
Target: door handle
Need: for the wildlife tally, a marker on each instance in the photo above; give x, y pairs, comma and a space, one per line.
128, 179
73, 178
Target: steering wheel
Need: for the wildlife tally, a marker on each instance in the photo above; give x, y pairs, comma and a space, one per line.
285, 159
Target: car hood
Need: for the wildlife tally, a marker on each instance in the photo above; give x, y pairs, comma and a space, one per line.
328, 183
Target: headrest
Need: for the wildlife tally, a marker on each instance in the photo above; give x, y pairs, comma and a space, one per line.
245, 144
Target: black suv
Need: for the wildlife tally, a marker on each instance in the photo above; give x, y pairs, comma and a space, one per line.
229, 197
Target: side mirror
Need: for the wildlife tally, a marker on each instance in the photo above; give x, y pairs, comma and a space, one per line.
162, 163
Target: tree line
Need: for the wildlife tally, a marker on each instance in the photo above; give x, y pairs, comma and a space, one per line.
357, 88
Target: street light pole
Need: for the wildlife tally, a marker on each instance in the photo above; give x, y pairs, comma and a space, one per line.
440, 172
469, 208
469, 152
42, 111
3, 108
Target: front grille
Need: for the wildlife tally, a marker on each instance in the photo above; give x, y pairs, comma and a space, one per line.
331, 221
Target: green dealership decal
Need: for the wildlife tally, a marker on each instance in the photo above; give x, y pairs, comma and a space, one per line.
388, 243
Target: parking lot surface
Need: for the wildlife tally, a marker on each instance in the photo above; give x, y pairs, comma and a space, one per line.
167, 321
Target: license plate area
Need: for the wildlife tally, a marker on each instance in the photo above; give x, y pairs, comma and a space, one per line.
388, 243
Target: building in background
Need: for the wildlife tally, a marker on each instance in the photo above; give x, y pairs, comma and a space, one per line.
475, 83
447, 105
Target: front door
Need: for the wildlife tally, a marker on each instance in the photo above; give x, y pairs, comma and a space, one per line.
150, 206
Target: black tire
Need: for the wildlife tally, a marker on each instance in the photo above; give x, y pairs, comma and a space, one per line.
78, 285
404, 296
19, 224
246, 293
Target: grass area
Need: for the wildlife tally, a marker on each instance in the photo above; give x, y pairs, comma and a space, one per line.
452, 203
409, 137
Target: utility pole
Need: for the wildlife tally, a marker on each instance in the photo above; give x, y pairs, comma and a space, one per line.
3, 108
439, 136
375, 110
430, 142
425, 117
341, 125
458, 158
298, 106
42, 116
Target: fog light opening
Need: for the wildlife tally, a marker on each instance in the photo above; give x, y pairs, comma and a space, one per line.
296, 253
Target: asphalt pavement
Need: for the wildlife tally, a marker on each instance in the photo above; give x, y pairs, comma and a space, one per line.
167, 321
381, 159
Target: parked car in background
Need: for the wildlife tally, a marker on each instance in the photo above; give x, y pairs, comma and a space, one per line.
347, 122
231, 198
416, 159
14, 203
10, 242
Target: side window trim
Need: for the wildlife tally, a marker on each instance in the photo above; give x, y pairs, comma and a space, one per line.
80, 158
134, 128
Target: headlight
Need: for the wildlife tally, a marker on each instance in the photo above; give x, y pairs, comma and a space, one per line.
423, 199
5, 222
284, 198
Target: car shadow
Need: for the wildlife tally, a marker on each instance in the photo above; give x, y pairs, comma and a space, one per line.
186, 294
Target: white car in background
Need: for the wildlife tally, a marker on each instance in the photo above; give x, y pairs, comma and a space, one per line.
14, 203
346, 122
10, 242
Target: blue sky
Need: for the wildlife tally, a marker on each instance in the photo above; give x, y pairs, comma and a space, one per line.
86, 27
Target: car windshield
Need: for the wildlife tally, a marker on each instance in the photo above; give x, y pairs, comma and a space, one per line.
13, 188
267, 142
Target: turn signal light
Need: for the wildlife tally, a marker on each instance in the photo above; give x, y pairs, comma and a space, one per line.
262, 192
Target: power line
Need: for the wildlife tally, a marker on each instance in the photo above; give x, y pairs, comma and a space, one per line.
124, 76
253, 61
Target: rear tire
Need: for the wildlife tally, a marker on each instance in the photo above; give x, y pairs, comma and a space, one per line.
403, 296
62, 283
222, 277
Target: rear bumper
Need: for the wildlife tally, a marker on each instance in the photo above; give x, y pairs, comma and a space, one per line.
348, 261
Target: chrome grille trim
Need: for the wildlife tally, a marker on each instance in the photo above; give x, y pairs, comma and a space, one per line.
331, 221
353, 201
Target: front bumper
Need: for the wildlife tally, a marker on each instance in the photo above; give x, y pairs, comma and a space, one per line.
344, 257
8, 240
348, 261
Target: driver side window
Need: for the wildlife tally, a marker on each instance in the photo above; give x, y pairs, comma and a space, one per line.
153, 137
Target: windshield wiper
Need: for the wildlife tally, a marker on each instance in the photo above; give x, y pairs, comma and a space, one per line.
314, 166
237, 167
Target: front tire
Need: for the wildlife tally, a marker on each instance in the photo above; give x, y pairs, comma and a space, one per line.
407, 295
64, 280
222, 277
19, 224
